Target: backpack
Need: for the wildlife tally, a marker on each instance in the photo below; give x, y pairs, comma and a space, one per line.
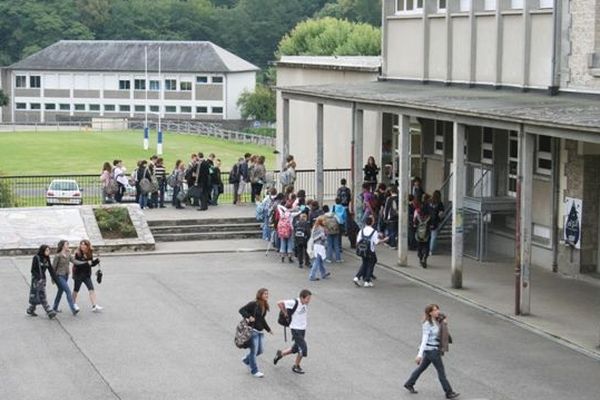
189, 173
300, 232
234, 174
112, 187
363, 247
261, 208
310, 248
331, 224
286, 319
243, 334
344, 194
339, 212
284, 178
422, 232
172, 179
284, 227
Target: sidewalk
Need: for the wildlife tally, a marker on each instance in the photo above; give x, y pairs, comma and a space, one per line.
562, 308
225, 210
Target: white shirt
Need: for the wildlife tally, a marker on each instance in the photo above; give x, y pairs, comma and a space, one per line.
367, 231
299, 320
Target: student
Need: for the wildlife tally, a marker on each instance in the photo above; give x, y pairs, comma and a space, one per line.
301, 235
390, 216
60, 265
119, 175
179, 174
244, 169
368, 238
422, 223
285, 231
37, 292
341, 215
371, 170
255, 312
143, 172
436, 210
258, 175
333, 236
319, 237
82, 272
298, 326
216, 183
106, 178
344, 193
235, 178
160, 173
433, 344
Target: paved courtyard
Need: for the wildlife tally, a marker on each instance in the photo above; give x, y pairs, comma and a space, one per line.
167, 333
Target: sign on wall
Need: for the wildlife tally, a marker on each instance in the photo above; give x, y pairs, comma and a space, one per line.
572, 222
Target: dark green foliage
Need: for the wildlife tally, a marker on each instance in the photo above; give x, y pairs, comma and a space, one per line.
115, 223
3, 99
7, 196
258, 105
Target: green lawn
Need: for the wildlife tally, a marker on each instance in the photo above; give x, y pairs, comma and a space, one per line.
48, 153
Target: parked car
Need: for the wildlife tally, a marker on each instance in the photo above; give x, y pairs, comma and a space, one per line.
63, 191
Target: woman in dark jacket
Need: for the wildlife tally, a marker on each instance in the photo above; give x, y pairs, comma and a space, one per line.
255, 313
143, 172
82, 272
371, 170
37, 293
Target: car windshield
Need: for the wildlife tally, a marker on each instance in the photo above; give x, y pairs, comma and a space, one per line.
63, 185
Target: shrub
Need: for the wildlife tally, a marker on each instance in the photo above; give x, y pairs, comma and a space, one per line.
7, 195
115, 223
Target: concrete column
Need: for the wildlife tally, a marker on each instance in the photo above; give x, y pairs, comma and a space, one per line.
319, 152
403, 187
458, 195
527, 145
527, 6
357, 137
285, 140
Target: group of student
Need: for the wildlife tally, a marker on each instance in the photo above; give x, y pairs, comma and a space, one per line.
64, 264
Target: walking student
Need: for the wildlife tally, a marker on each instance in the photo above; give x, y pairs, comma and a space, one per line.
82, 273
37, 292
255, 313
368, 238
60, 264
319, 237
434, 342
298, 326
422, 222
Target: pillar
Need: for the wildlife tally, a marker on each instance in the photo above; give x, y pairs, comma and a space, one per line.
319, 152
527, 143
458, 195
285, 139
357, 138
403, 187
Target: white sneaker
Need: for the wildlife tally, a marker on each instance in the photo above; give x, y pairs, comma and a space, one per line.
258, 375
76, 307
97, 308
368, 284
356, 281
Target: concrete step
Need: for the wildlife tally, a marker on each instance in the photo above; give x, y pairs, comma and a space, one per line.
246, 227
199, 221
182, 237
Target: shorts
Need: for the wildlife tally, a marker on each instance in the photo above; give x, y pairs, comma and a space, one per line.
87, 281
299, 342
241, 187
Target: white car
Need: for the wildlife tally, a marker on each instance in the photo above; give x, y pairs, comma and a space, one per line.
64, 191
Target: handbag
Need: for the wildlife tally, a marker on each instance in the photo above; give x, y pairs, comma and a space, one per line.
195, 192
148, 185
181, 195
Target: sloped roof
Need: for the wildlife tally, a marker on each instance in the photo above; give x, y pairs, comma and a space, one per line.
348, 63
128, 55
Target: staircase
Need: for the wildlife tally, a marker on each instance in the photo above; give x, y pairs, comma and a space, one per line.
205, 229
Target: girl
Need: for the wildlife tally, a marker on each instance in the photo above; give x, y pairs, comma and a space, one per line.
285, 231
319, 238
436, 208
37, 292
433, 343
60, 264
82, 272
371, 170
119, 175
143, 172
255, 312
179, 173
105, 178
257, 178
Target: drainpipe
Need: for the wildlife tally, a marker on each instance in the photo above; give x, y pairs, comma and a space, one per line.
555, 202
518, 228
556, 51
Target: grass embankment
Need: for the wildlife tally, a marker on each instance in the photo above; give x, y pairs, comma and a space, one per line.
63, 152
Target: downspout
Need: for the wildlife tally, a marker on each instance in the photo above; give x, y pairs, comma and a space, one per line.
556, 50
555, 202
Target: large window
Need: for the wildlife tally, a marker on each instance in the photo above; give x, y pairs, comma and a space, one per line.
185, 86
441, 6
546, 3
170, 84
543, 159
21, 81
154, 85
409, 6
487, 146
124, 85
516, 4
139, 84
513, 163
439, 138
35, 81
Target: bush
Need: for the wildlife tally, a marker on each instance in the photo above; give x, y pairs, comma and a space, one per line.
7, 196
270, 132
115, 223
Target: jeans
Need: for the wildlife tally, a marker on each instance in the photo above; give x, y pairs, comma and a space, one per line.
120, 192
175, 201
423, 250
431, 357
214, 197
365, 272
333, 246
433, 240
302, 254
162, 188
256, 349
63, 286
317, 266
286, 246
392, 232
143, 200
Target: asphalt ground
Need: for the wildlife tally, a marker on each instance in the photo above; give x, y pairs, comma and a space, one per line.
167, 328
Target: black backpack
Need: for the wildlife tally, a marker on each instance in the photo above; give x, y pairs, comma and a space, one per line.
363, 247
286, 319
234, 174
344, 195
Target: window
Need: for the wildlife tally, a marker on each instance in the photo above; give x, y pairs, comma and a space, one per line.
546, 3
154, 109
64, 107
34, 106
21, 106
35, 81
489, 5
217, 79
185, 109
50, 106
202, 79
171, 109
202, 110
154, 85
139, 84
543, 162
516, 4
487, 146
109, 107
79, 107
94, 107
139, 108
21, 81
124, 85
185, 85
124, 108
441, 6
408, 6
217, 110
439, 138
465, 5
170, 84
513, 163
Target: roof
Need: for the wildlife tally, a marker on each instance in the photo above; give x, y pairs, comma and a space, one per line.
348, 63
128, 55
565, 111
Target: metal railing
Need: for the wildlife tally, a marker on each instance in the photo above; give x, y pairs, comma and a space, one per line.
30, 191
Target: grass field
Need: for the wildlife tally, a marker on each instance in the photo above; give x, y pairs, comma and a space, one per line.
48, 153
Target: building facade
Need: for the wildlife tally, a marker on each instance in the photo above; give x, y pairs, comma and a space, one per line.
78, 80
496, 104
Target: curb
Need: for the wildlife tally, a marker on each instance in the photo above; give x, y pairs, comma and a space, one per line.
182, 252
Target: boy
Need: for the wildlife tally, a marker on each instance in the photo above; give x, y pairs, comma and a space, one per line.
301, 236
298, 326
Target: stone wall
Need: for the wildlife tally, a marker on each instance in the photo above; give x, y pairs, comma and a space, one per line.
584, 43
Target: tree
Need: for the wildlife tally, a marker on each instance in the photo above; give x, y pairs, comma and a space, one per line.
331, 37
368, 11
259, 105
3, 99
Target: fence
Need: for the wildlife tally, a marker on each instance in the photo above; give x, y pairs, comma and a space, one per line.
30, 191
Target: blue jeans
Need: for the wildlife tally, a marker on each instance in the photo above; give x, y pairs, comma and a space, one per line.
317, 266
333, 246
143, 200
286, 246
392, 233
256, 349
433, 240
431, 357
214, 195
63, 286
266, 231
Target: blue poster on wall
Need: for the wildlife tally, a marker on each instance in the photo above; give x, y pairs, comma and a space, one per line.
572, 222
